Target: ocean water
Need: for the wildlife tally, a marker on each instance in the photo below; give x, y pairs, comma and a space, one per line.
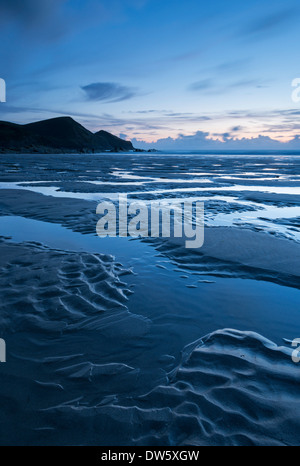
121, 341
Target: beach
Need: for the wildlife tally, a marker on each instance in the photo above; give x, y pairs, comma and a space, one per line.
142, 341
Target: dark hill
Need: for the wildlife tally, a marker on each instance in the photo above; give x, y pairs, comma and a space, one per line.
103, 137
56, 135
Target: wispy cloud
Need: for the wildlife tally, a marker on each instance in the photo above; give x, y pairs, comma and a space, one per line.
211, 86
109, 92
234, 129
28, 11
202, 85
34, 18
271, 22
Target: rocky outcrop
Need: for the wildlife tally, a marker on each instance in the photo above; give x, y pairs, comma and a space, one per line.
57, 135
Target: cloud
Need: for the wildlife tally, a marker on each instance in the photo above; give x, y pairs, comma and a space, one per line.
108, 92
28, 11
202, 141
34, 17
272, 21
143, 111
236, 128
203, 85
185, 56
46, 21
182, 142
232, 66
210, 86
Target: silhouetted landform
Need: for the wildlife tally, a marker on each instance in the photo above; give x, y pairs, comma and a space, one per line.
145, 150
57, 135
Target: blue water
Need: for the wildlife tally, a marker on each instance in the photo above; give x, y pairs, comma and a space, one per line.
100, 332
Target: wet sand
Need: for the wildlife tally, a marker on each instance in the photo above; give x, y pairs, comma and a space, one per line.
104, 336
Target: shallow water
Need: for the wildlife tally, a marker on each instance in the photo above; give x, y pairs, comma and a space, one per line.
100, 331
265, 301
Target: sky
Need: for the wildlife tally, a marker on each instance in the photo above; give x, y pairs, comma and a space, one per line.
173, 74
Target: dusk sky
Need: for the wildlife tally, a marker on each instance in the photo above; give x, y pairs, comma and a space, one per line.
154, 69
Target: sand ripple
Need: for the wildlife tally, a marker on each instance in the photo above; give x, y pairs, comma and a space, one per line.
231, 388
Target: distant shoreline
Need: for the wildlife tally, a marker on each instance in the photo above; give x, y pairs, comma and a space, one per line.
153, 152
